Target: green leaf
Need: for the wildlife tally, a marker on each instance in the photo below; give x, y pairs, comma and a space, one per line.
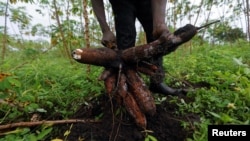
226, 118
44, 133
239, 61
66, 133
214, 114
25, 131
14, 81
247, 71
16, 131
32, 137
31, 107
5, 84
152, 138
27, 98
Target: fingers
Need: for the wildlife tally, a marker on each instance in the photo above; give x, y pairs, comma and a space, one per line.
109, 44
109, 40
159, 30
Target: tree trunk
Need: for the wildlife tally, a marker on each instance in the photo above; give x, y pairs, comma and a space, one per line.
199, 11
5, 33
86, 31
65, 46
248, 19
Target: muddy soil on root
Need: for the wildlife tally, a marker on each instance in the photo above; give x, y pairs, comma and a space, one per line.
117, 125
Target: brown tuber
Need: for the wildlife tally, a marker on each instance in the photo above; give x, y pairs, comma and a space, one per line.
121, 75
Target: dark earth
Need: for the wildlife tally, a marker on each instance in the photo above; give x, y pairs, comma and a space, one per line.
117, 125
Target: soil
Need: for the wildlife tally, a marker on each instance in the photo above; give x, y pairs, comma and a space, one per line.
117, 125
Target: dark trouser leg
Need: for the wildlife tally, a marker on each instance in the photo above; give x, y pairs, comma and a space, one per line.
124, 14
144, 15
156, 81
159, 75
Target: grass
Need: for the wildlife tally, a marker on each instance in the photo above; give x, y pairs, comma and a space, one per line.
226, 69
48, 84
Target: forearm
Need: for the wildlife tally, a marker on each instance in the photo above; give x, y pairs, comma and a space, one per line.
98, 8
158, 11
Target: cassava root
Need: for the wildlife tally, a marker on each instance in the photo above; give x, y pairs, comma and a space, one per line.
126, 82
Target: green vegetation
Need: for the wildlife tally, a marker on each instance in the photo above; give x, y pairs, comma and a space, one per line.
226, 68
47, 83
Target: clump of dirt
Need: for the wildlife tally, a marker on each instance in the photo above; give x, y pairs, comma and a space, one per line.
117, 125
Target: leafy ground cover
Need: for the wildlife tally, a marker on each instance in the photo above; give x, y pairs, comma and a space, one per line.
49, 87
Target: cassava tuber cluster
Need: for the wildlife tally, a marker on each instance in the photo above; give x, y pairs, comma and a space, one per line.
123, 67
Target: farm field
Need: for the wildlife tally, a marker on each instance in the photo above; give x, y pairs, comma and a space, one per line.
40, 85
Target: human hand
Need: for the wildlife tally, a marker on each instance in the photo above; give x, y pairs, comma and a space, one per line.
109, 40
161, 32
